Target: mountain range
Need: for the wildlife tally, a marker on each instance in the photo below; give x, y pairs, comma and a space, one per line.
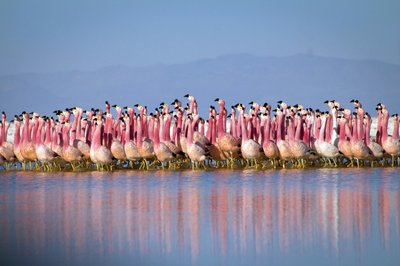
305, 79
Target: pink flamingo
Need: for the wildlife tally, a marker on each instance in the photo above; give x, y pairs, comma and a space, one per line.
326, 149
27, 147
117, 148
44, 153
162, 152
226, 142
269, 147
344, 145
195, 152
281, 143
390, 145
251, 150
130, 148
298, 148
358, 147
70, 153
375, 148
145, 146
100, 154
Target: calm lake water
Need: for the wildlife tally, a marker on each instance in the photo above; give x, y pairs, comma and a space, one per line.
244, 217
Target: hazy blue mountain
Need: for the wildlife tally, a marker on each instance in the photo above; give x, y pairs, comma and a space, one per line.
305, 79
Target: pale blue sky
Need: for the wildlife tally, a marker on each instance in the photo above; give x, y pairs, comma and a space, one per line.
53, 35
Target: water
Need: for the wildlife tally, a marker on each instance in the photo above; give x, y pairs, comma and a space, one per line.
302, 217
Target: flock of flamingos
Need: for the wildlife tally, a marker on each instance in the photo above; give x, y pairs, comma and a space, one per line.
177, 138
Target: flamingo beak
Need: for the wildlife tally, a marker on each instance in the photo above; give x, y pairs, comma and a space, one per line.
216, 100
186, 96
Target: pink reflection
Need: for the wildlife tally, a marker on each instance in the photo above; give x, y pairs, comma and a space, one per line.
139, 213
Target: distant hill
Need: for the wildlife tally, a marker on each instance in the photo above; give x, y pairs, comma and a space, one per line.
305, 79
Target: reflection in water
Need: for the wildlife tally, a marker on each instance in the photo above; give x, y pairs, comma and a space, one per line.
198, 215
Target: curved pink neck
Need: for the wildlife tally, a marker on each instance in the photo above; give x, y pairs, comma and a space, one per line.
156, 134
395, 134
355, 133
367, 131
244, 128
17, 136
167, 135
139, 134
190, 133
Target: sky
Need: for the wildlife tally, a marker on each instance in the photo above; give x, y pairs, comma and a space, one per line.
44, 36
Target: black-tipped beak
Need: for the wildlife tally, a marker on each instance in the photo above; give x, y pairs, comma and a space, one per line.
162, 104
186, 96
352, 101
114, 106
106, 102
216, 100
136, 105
31, 113
326, 101
279, 102
251, 102
296, 106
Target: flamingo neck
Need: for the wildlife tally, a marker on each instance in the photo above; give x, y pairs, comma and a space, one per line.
65, 138
47, 139
156, 135
385, 122
190, 133
244, 129
139, 134
367, 132
355, 133
395, 134
167, 135
322, 130
213, 131
342, 131
17, 136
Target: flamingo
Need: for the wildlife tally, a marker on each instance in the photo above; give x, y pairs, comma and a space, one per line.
195, 152
130, 148
283, 145
27, 147
298, 148
145, 146
215, 152
70, 153
358, 147
44, 153
251, 150
117, 148
100, 154
326, 149
343, 144
226, 142
162, 152
269, 147
375, 148
390, 145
